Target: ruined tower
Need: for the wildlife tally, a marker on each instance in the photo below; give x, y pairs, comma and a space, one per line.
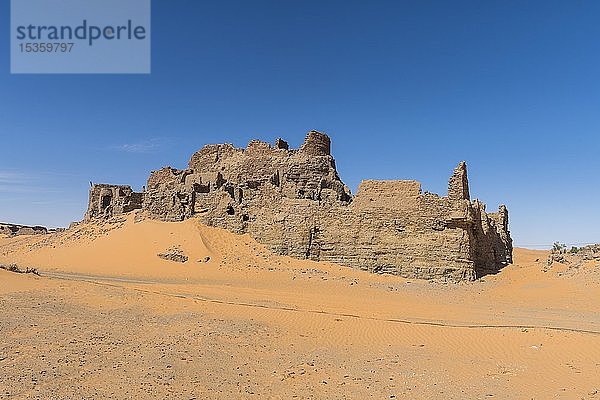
458, 186
108, 200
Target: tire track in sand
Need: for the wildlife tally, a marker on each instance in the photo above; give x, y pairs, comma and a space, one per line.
105, 281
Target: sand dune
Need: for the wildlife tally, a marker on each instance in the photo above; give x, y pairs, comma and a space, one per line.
109, 318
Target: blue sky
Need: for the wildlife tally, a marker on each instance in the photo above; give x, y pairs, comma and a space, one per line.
406, 89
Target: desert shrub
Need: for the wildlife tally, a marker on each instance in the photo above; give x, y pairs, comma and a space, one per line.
558, 247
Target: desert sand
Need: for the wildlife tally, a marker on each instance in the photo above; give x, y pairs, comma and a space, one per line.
108, 318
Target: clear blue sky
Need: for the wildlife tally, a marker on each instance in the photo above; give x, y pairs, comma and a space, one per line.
406, 89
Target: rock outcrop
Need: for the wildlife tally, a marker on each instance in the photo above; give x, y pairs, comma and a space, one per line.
575, 257
294, 202
174, 254
16, 230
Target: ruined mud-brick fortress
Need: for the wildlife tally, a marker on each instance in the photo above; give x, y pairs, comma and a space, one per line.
293, 201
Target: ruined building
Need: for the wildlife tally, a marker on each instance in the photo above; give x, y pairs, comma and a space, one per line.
293, 201
108, 200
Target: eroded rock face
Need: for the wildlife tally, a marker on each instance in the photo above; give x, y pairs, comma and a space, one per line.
17, 230
294, 202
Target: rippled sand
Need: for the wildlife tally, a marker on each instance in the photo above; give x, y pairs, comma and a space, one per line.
107, 318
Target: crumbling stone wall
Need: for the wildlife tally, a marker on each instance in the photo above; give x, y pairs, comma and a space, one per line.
294, 202
458, 186
491, 238
108, 200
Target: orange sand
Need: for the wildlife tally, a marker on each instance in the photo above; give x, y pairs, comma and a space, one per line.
111, 319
